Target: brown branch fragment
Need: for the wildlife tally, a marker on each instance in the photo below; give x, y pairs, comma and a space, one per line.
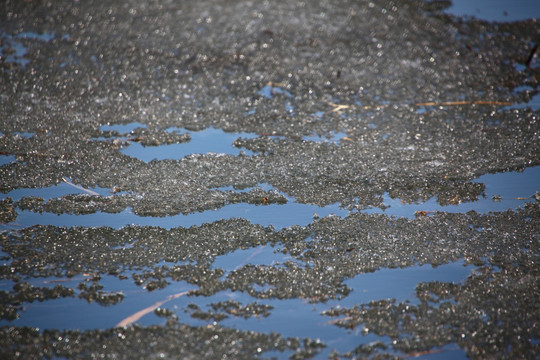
454, 103
139, 314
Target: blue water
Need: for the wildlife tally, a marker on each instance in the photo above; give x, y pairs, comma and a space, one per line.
210, 140
266, 255
333, 137
277, 215
400, 284
55, 191
514, 189
533, 104
269, 91
6, 159
25, 135
122, 128
19, 49
292, 317
74, 313
496, 10
46, 36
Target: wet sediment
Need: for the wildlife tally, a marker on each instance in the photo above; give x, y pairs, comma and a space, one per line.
426, 103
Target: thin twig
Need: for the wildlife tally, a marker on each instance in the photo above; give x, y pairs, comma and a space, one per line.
79, 187
454, 103
139, 314
426, 352
251, 256
531, 56
336, 321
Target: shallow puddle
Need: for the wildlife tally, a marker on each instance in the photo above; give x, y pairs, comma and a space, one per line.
207, 141
122, 128
277, 215
503, 191
76, 313
269, 91
293, 317
333, 137
263, 255
496, 10
50, 192
6, 159
400, 284
12, 49
344, 105
290, 317
533, 104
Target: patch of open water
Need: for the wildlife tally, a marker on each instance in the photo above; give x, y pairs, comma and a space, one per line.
533, 104
206, 141
13, 50
210, 140
504, 191
277, 215
6, 159
496, 10
291, 317
62, 189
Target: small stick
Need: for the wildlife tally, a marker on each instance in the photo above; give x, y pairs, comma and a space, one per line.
335, 321
444, 103
339, 107
253, 254
504, 103
531, 56
79, 187
452, 103
139, 314
422, 353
